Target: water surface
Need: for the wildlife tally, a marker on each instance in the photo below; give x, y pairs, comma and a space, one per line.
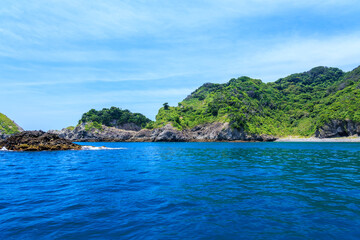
183, 191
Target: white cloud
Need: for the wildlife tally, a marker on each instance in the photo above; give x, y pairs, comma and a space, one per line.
46, 45
301, 54
124, 96
37, 21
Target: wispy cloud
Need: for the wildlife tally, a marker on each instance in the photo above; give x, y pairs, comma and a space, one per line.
301, 54
64, 57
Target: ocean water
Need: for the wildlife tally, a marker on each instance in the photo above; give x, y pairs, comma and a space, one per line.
183, 191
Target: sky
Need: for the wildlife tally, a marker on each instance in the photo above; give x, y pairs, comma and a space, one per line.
59, 59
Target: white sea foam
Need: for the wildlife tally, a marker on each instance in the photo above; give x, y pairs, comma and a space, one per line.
99, 148
4, 149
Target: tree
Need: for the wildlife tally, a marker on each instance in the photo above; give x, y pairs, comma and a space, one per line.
166, 106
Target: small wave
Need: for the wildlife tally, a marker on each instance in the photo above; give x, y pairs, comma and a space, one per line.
99, 148
4, 149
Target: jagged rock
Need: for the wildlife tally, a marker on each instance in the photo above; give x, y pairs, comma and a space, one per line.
37, 141
126, 126
4, 136
206, 132
338, 128
167, 134
268, 138
144, 135
107, 134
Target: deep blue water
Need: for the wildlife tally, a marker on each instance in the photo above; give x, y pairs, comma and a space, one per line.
183, 191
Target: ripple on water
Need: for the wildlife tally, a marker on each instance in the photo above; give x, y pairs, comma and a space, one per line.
183, 191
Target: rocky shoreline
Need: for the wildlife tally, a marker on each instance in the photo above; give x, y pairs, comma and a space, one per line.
334, 131
202, 133
37, 141
315, 139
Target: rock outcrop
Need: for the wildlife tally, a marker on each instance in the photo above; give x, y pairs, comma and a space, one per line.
8, 127
106, 134
338, 128
37, 141
126, 126
202, 133
4, 136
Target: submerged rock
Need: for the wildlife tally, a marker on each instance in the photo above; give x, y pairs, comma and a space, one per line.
37, 141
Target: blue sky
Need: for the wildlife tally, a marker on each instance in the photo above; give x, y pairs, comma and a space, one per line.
58, 59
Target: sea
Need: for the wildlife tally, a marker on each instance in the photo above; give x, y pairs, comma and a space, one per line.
183, 191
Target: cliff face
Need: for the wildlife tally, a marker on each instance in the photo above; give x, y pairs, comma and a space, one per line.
207, 132
338, 128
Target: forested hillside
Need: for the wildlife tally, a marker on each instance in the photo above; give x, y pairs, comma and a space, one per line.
295, 105
113, 117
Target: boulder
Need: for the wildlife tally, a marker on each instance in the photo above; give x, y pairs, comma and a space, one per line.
338, 128
37, 141
167, 134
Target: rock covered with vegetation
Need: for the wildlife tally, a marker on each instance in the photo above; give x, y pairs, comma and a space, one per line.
37, 141
323, 102
115, 117
301, 104
8, 127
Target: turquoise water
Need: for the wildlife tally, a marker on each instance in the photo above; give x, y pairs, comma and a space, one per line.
183, 191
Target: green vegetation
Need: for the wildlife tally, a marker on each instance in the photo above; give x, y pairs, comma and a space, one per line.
93, 125
112, 117
7, 126
295, 105
70, 128
166, 106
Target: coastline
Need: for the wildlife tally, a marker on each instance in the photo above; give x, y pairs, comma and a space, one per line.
285, 139
314, 139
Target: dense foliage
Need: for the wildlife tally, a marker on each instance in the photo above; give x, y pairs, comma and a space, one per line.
113, 117
7, 126
295, 105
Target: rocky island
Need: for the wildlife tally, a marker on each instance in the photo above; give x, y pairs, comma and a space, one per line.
321, 103
37, 141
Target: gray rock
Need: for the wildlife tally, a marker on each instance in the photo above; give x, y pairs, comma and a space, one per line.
206, 132
4, 136
338, 128
79, 133
126, 126
167, 134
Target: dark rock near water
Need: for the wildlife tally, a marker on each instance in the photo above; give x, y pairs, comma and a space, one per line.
107, 134
338, 128
37, 141
202, 133
4, 136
